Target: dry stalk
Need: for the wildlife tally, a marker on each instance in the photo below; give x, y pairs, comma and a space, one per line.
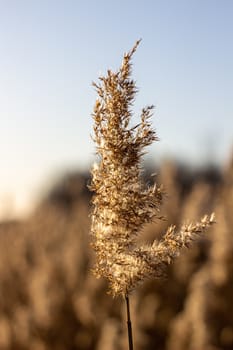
122, 203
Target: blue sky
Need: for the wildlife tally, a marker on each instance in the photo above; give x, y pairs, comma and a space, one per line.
51, 51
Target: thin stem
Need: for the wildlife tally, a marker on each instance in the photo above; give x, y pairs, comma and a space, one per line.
129, 324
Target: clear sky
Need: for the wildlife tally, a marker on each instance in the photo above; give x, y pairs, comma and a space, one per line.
51, 51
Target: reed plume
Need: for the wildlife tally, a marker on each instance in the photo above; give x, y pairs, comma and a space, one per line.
122, 203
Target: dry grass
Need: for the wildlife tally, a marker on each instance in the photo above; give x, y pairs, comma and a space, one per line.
123, 204
50, 300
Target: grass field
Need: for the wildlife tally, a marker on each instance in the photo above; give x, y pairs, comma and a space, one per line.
50, 299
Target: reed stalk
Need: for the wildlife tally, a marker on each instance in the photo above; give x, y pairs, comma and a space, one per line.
122, 204
129, 323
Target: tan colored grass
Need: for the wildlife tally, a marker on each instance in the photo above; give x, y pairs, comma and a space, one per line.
122, 203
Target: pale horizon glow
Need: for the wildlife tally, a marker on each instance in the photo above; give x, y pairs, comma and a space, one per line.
51, 51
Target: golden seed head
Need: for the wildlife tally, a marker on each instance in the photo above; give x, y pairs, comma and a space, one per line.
122, 203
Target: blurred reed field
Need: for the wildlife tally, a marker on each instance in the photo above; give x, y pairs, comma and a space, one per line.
51, 300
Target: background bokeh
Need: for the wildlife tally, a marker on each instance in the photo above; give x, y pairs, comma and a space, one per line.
49, 298
51, 51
